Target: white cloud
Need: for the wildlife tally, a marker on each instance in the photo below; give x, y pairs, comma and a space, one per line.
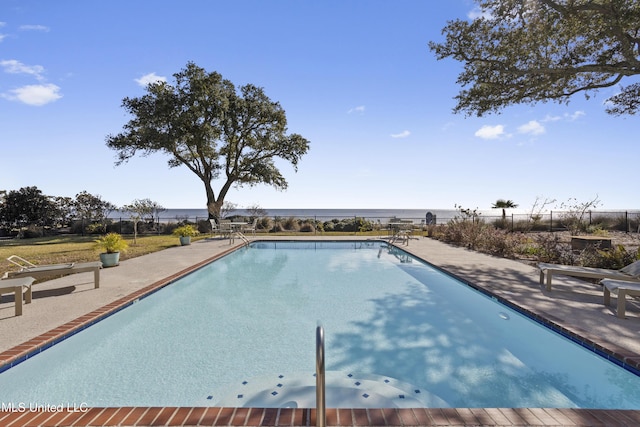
150, 78
403, 134
2, 37
34, 28
576, 115
359, 109
36, 95
533, 127
490, 132
549, 118
13, 66
566, 116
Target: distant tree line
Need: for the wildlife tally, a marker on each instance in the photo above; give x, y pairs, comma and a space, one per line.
28, 212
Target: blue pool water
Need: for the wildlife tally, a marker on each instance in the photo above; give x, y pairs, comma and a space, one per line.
241, 332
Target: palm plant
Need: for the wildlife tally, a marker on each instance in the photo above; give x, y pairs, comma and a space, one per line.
504, 204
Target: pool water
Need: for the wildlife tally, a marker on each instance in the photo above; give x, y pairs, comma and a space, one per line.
241, 332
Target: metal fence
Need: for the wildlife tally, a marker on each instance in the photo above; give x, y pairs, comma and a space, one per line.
627, 221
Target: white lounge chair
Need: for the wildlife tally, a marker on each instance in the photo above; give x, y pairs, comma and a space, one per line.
622, 288
629, 273
28, 269
17, 287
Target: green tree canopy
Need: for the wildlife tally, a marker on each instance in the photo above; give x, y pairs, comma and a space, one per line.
529, 51
141, 209
216, 131
27, 206
92, 207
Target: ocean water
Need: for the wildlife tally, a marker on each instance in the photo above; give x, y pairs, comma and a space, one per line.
327, 214
441, 216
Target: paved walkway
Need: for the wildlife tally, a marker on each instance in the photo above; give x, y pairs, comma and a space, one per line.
572, 304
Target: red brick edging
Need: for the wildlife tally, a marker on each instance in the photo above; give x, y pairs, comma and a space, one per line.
302, 417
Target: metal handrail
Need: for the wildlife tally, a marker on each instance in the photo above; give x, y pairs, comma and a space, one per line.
320, 380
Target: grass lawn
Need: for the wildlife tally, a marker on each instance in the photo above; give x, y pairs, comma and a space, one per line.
63, 249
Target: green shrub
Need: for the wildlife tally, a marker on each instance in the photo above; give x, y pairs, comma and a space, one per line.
614, 258
463, 232
529, 249
551, 249
95, 228
204, 226
112, 242
32, 232
328, 226
597, 230
264, 223
307, 227
499, 242
362, 225
186, 230
290, 224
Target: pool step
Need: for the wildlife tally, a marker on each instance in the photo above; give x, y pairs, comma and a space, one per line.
343, 390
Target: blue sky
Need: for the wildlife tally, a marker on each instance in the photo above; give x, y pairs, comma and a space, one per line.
355, 77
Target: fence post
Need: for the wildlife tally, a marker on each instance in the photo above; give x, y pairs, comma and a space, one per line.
626, 221
551, 221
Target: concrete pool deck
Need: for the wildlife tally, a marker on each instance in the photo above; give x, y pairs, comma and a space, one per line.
574, 305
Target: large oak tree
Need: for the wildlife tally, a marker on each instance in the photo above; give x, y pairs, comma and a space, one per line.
529, 51
204, 123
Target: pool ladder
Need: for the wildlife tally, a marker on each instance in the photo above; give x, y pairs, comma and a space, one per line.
320, 380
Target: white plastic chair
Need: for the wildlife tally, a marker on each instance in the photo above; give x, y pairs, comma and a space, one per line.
251, 228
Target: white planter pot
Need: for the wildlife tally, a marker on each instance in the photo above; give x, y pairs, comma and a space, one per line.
110, 260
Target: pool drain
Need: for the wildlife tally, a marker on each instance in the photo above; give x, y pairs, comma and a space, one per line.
343, 390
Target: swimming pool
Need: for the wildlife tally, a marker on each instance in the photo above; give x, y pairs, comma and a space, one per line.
242, 329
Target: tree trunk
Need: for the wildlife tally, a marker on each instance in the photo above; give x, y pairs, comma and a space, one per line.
214, 210
213, 206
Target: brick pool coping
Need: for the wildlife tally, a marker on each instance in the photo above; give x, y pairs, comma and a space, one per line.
82, 416
290, 417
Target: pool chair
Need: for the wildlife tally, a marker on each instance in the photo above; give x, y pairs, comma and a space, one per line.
17, 287
251, 228
225, 228
629, 273
622, 288
28, 269
214, 227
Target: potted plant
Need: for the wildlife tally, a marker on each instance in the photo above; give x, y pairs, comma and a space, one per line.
185, 232
112, 244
